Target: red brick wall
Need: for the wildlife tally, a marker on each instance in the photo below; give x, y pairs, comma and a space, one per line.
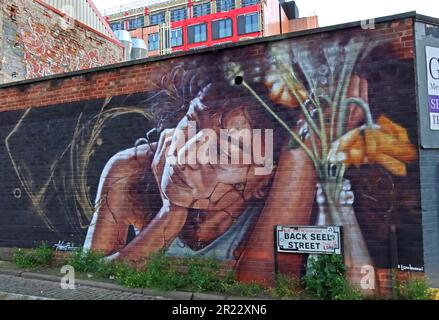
385, 184
38, 40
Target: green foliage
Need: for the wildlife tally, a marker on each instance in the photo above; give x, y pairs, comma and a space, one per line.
161, 273
242, 289
287, 287
414, 289
347, 292
327, 279
41, 256
203, 274
131, 278
87, 261
23, 259
230, 286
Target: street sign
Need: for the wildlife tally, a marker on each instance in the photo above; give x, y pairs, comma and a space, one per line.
309, 239
433, 86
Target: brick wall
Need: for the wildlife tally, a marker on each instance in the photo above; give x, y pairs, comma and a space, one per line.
60, 134
1, 48
430, 177
38, 41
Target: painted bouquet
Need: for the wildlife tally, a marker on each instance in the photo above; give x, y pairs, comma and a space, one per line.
337, 127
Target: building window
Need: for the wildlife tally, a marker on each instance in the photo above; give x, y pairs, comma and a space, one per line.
153, 41
201, 9
247, 3
248, 23
225, 5
115, 26
136, 23
197, 33
176, 37
157, 18
221, 29
178, 14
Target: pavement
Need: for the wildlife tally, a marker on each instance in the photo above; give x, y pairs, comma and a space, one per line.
13, 287
17, 284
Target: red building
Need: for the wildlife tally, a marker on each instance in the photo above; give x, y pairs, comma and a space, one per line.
180, 25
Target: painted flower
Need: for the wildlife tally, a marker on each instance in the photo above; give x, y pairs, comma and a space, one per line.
280, 93
232, 71
387, 144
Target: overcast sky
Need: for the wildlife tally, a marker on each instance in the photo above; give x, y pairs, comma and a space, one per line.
336, 11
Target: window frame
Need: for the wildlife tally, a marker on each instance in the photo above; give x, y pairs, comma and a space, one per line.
181, 37
203, 6
157, 41
249, 3
221, 7
251, 24
219, 22
161, 13
120, 23
180, 9
142, 18
204, 24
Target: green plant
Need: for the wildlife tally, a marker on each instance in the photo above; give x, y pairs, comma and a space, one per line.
203, 274
106, 269
160, 273
414, 288
132, 278
23, 259
231, 286
242, 289
327, 279
287, 287
347, 292
41, 256
86, 261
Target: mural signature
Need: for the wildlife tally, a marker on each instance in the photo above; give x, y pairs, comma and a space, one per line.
64, 246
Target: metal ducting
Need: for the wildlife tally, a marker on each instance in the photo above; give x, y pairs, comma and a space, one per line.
139, 49
125, 38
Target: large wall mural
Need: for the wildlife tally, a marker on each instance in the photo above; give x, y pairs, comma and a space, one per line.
101, 175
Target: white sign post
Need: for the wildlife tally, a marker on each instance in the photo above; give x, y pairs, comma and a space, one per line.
433, 86
314, 240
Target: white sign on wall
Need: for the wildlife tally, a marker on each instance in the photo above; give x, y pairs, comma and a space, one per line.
319, 240
433, 86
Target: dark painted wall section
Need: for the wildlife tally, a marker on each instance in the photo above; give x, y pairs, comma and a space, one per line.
429, 162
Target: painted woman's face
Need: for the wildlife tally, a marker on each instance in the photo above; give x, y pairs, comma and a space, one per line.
195, 177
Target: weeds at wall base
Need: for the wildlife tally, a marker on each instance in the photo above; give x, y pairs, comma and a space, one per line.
41, 256
326, 281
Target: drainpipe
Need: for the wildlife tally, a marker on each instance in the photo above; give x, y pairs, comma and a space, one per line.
280, 19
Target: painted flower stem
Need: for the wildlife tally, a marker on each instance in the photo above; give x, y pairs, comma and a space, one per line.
341, 128
294, 135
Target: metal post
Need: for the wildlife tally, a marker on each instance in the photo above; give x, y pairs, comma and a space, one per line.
280, 19
276, 264
393, 257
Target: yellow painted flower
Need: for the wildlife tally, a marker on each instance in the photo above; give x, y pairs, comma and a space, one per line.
387, 145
